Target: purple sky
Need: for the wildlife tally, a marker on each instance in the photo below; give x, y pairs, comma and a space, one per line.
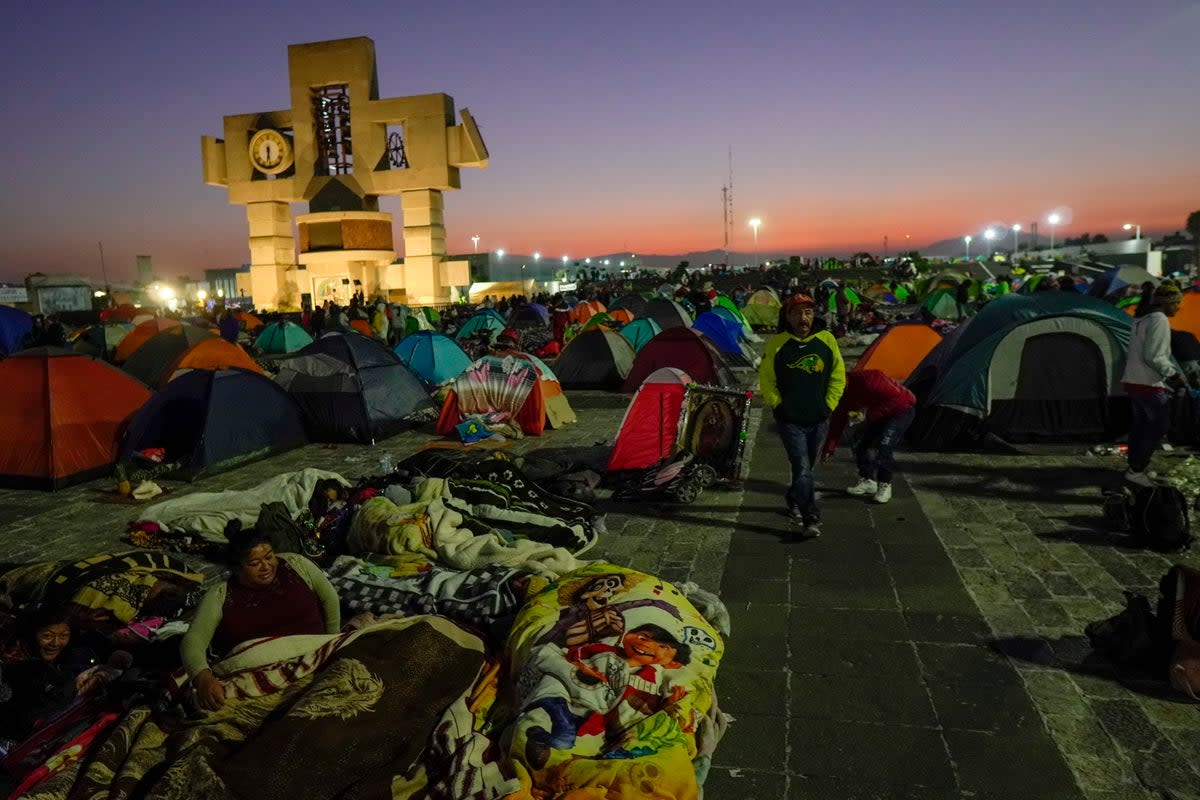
609, 123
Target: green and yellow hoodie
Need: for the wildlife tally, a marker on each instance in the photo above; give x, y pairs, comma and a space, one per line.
802, 378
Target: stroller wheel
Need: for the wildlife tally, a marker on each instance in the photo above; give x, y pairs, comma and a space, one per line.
705, 475
687, 491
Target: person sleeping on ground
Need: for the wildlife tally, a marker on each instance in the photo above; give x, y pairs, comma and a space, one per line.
267, 594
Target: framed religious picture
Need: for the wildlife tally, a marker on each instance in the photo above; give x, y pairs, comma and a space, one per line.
712, 427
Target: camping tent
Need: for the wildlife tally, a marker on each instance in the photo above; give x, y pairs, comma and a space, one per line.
724, 332
942, 304
142, 334
281, 337
667, 313
762, 309
154, 361
486, 320
530, 315
515, 385
597, 358
15, 325
633, 303
213, 420
1118, 279
640, 331
352, 388
99, 340
648, 430
62, 417
899, 349
685, 349
433, 357
213, 354
1187, 318
1027, 367
582, 312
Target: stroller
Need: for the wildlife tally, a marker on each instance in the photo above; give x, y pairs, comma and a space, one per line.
680, 478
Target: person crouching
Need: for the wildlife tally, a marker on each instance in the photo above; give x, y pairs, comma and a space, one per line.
889, 409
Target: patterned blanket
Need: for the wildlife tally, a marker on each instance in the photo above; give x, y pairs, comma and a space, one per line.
351, 708
614, 691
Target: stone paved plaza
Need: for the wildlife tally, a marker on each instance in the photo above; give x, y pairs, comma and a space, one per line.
928, 648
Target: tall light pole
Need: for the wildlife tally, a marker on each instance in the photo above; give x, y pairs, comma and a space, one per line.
754, 223
1138, 230
475, 242
989, 234
1016, 238
967, 239
1053, 219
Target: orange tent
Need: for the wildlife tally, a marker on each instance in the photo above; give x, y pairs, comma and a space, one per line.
212, 354
621, 315
248, 320
1187, 318
898, 350
62, 417
122, 313
141, 334
362, 326
582, 312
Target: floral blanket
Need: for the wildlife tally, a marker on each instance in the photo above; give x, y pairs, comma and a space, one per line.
614, 689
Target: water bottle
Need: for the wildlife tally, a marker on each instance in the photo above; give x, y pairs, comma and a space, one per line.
385, 464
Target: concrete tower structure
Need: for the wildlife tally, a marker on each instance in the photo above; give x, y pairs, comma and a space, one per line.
339, 148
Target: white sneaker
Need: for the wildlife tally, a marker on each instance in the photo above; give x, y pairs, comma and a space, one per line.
864, 486
1139, 478
883, 493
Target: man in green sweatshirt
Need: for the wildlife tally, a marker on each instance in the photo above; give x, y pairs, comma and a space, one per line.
801, 378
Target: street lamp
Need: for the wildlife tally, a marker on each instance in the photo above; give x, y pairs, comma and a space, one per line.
967, 239
475, 242
989, 234
1016, 237
754, 223
1053, 219
1138, 229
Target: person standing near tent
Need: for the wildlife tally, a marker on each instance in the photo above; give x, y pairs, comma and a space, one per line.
801, 378
889, 409
1149, 371
962, 296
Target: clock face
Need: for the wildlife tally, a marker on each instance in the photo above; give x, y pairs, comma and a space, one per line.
270, 151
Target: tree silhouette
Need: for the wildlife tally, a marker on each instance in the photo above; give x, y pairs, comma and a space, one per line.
1193, 227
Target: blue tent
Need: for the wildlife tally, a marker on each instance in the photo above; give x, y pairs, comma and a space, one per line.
15, 324
1039, 367
487, 320
529, 315
640, 331
284, 336
723, 331
213, 420
434, 357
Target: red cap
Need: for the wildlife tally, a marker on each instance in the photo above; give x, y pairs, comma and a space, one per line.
801, 300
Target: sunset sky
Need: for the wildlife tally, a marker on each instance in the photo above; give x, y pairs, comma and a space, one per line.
609, 123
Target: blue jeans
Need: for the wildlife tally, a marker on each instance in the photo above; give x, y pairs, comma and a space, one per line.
803, 443
1150, 419
882, 436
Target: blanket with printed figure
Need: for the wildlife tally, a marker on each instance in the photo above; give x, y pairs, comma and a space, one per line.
614, 693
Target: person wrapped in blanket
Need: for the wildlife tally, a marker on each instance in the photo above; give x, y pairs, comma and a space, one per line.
44, 673
267, 594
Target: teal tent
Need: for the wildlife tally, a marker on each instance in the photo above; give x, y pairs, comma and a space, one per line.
282, 337
942, 304
640, 331
1039, 367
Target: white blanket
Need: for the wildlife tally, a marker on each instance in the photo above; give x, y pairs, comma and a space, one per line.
208, 512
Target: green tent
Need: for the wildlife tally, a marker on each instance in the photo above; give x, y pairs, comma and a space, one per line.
762, 308
942, 304
601, 319
282, 337
851, 295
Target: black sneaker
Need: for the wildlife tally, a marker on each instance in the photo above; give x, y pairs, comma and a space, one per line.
812, 529
794, 513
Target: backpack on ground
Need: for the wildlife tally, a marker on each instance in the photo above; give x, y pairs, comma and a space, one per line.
1158, 518
1130, 637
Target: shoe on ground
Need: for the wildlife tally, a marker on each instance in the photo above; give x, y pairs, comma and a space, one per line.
1139, 478
883, 493
865, 486
795, 513
812, 529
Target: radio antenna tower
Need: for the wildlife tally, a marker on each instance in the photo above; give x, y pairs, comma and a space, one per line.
727, 205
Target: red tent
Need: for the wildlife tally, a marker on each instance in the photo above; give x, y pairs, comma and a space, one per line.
62, 417
648, 431
685, 349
